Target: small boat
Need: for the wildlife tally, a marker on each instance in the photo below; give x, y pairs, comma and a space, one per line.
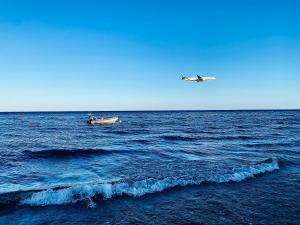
102, 120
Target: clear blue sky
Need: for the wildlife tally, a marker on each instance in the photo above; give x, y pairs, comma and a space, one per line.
129, 55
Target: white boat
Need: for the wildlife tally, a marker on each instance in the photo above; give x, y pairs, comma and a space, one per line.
102, 120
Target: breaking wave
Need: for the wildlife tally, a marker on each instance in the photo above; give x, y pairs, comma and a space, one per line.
95, 191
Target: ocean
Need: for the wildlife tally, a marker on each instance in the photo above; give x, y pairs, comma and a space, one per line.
153, 167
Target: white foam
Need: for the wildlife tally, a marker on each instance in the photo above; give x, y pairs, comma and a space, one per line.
139, 188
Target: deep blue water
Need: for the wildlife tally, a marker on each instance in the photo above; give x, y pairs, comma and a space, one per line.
180, 167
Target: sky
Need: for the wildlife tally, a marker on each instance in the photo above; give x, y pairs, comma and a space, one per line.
61, 55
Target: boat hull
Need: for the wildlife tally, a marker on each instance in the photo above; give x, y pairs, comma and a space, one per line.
109, 120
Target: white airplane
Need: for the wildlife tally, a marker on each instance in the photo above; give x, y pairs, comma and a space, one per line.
198, 78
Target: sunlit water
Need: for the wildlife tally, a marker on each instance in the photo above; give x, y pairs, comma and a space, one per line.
210, 167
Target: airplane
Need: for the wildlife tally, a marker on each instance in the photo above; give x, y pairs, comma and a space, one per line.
198, 78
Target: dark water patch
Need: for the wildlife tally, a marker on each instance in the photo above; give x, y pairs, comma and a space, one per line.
242, 130
212, 127
179, 138
203, 132
128, 132
276, 134
141, 141
58, 153
12, 135
92, 136
195, 152
285, 127
234, 137
56, 129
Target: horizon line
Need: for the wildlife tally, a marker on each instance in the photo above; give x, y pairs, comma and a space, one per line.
151, 110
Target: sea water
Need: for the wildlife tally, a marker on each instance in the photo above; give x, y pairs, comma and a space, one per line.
154, 167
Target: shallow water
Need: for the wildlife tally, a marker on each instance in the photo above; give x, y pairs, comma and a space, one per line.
210, 167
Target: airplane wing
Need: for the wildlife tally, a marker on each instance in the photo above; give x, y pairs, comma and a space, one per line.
199, 78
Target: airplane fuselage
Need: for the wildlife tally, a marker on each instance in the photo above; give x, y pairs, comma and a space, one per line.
198, 78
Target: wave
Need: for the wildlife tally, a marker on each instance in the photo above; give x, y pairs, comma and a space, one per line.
190, 131
118, 132
178, 138
96, 191
57, 153
142, 141
267, 145
217, 137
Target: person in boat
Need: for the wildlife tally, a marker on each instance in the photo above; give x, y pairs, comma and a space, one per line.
91, 118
